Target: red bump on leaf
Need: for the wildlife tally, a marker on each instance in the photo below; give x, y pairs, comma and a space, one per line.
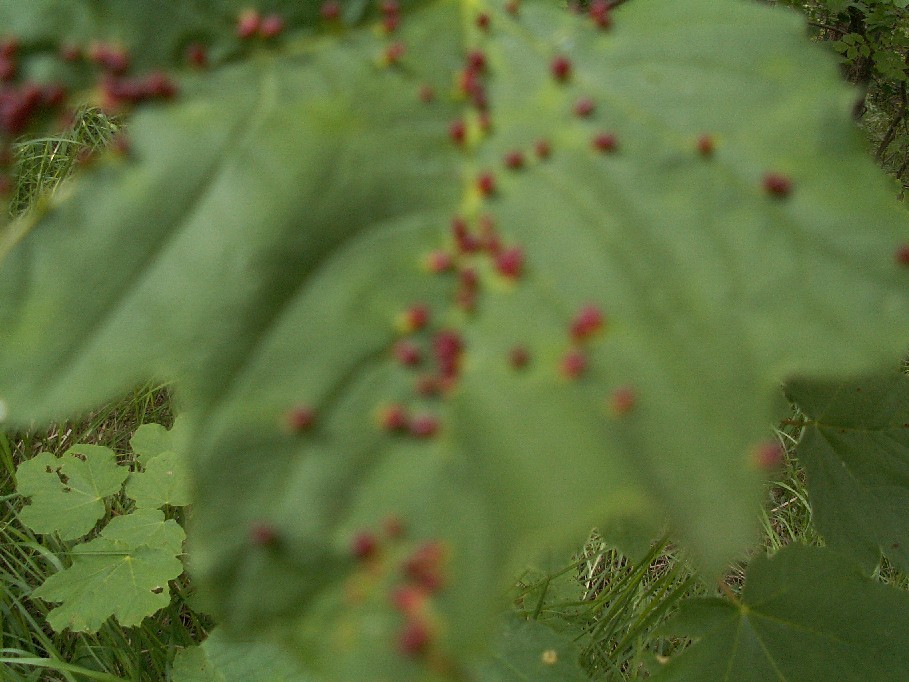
394, 52
584, 107
427, 94
476, 60
514, 159
408, 599
330, 10
408, 353
482, 21
560, 68
262, 534
518, 357
248, 23
902, 255
457, 131
53, 95
605, 142
510, 262
8, 69
447, 346
120, 144
197, 55
705, 145
390, 23
364, 545
390, 7
599, 14
427, 386
394, 418
486, 184
415, 318
489, 237
439, 261
542, 149
622, 400
394, 527
69, 52
777, 184
424, 566
767, 456
573, 364
513, 7
111, 58
271, 26
468, 279
414, 638
300, 419
9, 47
464, 240
586, 322
424, 426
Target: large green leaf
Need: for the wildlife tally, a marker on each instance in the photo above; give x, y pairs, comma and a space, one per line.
806, 614
122, 573
66, 494
856, 451
266, 231
165, 480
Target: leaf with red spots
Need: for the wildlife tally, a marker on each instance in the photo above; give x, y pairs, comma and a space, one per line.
272, 222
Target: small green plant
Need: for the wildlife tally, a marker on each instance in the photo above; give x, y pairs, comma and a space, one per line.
444, 284
124, 569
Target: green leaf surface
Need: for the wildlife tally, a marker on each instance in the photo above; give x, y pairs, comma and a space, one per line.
165, 480
122, 573
855, 449
221, 658
267, 230
150, 440
528, 650
806, 614
67, 492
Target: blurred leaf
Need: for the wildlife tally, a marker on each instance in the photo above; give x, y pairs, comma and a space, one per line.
221, 658
528, 650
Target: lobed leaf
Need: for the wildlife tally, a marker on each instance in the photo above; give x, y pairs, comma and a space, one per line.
165, 480
67, 492
122, 573
150, 440
855, 450
806, 614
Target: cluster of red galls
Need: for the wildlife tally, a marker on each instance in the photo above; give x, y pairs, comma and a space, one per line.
251, 24
21, 102
447, 348
421, 578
